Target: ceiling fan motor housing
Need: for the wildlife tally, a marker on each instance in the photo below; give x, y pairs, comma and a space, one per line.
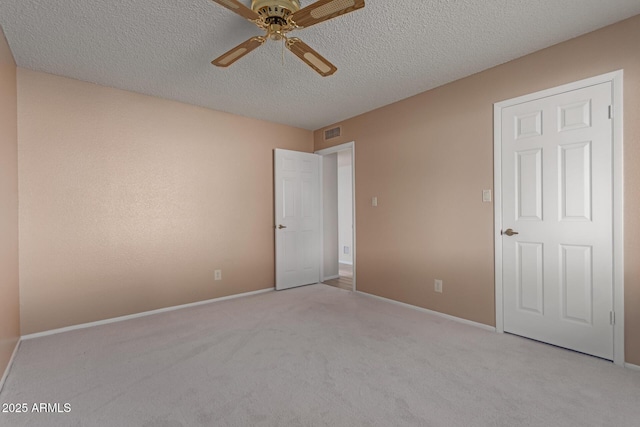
275, 8
275, 14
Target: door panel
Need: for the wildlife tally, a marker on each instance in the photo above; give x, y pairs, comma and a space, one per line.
297, 217
576, 283
575, 181
529, 277
557, 194
529, 185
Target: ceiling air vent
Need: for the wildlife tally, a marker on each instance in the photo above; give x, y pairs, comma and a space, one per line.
332, 133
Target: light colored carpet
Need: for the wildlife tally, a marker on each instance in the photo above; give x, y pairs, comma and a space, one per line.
312, 356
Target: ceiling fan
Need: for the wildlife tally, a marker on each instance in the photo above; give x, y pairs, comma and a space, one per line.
278, 18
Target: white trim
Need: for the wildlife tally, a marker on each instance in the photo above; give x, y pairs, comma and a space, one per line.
143, 314
632, 367
321, 277
353, 214
616, 80
346, 146
9, 365
435, 313
345, 262
335, 148
497, 213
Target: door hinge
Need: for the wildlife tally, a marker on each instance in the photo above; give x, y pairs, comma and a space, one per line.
611, 111
612, 317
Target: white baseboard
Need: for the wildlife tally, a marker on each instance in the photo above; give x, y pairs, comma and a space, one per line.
8, 368
345, 262
435, 313
143, 314
337, 276
632, 366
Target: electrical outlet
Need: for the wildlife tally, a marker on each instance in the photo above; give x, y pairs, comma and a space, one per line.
438, 285
217, 275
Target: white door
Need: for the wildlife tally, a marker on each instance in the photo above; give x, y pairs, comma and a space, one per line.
297, 218
557, 194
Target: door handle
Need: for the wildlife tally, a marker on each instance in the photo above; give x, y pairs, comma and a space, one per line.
509, 232
280, 227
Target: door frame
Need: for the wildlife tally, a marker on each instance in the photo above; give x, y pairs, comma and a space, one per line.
616, 80
342, 147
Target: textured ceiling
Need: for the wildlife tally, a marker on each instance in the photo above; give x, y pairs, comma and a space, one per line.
386, 52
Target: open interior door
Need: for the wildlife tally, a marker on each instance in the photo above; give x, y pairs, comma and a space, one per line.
297, 218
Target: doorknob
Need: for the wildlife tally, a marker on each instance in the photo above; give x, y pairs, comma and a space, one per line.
280, 227
509, 232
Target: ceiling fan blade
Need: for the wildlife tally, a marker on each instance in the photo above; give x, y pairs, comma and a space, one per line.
311, 57
239, 8
323, 10
238, 52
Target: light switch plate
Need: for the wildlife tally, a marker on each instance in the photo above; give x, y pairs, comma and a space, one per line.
486, 196
438, 286
374, 201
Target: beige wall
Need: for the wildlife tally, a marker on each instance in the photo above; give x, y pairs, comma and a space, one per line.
429, 157
129, 203
9, 291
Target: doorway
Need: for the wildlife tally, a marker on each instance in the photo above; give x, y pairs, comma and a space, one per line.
558, 211
338, 216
